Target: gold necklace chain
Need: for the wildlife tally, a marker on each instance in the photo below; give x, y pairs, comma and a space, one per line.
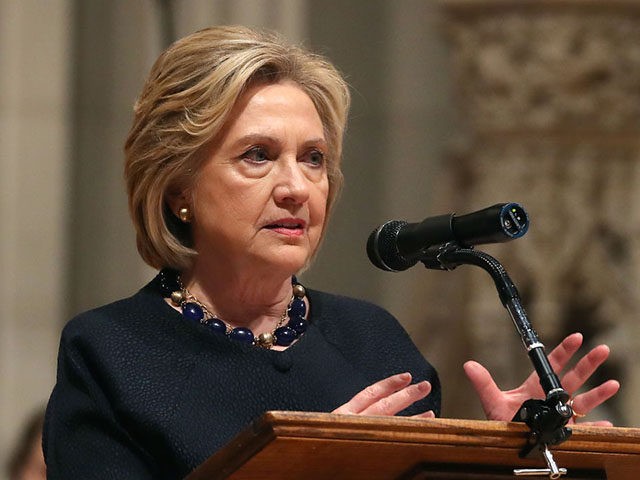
208, 315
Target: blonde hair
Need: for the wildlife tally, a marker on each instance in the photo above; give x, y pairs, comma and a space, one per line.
185, 103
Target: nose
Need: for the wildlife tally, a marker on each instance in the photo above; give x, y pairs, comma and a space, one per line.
292, 187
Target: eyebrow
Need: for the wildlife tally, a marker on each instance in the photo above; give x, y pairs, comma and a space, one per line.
252, 138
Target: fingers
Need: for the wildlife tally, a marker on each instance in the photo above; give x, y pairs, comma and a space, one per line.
386, 397
484, 385
397, 401
599, 423
427, 414
587, 401
575, 378
560, 356
374, 393
481, 380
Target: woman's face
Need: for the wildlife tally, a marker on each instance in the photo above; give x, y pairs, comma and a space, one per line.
261, 194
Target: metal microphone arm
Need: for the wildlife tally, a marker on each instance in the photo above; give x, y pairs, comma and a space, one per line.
547, 418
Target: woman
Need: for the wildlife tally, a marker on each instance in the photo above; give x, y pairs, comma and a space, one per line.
232, 167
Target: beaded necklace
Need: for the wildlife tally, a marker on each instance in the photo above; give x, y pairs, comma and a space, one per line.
194, 310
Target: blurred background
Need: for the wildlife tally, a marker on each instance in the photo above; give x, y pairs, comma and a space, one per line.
457, 105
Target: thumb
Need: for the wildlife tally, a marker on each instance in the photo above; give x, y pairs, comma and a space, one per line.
483, 383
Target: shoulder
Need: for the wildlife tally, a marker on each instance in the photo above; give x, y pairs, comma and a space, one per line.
354, 321
110, 318
139, 338
129, 330
328, 304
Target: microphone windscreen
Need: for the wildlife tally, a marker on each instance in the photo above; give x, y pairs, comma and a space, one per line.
382, 247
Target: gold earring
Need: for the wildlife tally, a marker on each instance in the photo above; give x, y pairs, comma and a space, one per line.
184, 214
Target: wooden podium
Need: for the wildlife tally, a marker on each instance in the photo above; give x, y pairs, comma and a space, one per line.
323, 446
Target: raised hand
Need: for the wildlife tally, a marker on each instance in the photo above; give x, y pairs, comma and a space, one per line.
388, 397
502, 405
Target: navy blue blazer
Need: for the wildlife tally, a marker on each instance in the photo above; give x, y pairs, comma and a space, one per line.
143, 393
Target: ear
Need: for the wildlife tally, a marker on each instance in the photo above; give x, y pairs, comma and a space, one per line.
177, 200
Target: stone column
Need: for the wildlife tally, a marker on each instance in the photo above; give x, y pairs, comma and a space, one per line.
34, 146
549, 93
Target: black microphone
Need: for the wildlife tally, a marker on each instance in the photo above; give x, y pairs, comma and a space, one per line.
398, 245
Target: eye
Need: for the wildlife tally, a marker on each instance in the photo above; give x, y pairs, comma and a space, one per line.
315, 158
256, 155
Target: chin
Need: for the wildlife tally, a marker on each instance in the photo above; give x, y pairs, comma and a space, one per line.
288, 259
285, 257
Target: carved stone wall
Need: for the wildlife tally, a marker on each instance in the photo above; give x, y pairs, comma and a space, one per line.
550, 95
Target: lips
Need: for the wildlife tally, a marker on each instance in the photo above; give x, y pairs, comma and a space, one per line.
287, 226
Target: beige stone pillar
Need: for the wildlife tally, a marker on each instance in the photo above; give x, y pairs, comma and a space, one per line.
549, 94
35, 40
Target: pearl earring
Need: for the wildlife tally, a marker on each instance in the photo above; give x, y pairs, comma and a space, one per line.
184, 214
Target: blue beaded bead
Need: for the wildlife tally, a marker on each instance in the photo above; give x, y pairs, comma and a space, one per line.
241, 334
298, 308
298, 324
217, 325
192, 311
285, 336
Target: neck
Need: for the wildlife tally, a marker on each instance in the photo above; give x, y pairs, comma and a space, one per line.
246, 300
